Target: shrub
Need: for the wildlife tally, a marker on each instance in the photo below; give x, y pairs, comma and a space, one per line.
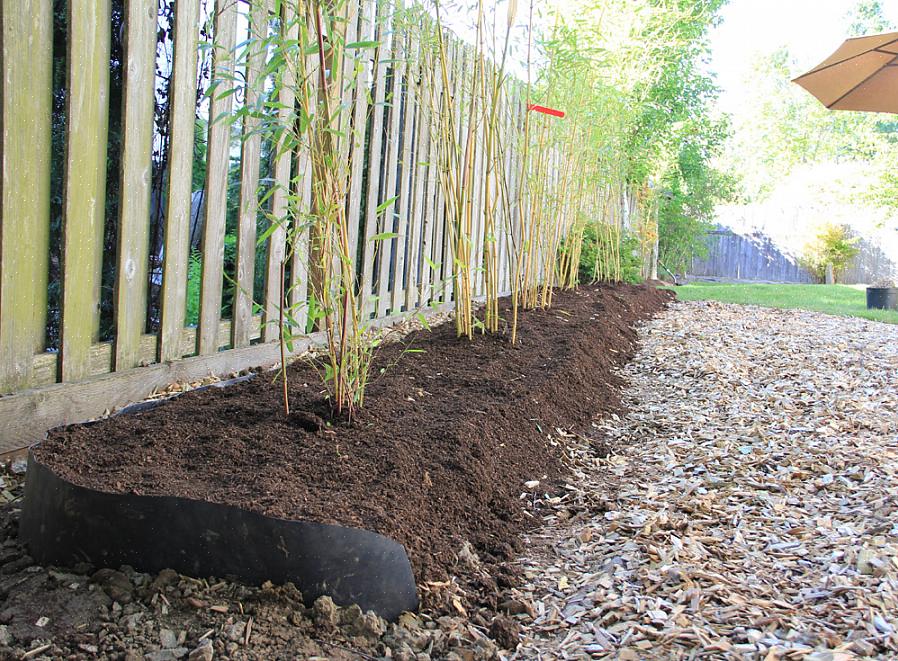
599, 247
833, 245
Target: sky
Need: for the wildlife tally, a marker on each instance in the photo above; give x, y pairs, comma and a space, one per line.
811, 29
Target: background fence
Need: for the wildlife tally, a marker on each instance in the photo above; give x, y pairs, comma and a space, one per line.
129, 258
755, 256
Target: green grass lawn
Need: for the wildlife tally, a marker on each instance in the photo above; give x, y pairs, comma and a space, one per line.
842, 300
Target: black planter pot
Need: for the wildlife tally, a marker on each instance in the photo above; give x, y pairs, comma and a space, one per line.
882, 298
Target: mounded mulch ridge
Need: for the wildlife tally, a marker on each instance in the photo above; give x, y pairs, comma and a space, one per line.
437, 458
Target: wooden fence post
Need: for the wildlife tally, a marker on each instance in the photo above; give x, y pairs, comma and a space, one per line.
180, 168
27, 80
134, 204
84, 214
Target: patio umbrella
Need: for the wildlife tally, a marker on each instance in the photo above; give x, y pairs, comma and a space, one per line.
861, 75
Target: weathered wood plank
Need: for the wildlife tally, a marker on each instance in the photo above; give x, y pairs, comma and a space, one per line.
348, 26
370, 248
84, 204
102, 353
431, 192
134, 204
30, 413
460, 99
405, 227
477, 185
414, 271
217, 163
249, 181
303, 179
62, 404
27, 94
177, 214
440, 212
359, 127
284, 153
391, 172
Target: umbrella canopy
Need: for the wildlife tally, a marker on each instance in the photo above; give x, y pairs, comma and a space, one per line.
861, 75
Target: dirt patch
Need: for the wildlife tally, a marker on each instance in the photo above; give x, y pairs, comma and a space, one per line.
437, 457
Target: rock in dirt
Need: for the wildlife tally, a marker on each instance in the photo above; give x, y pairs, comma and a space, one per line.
168, 638
115, 584
205, 652
17, 565
235, 632
365, 625
468, 556
164, 579
5, 636
516, 607
505, 631
325, 613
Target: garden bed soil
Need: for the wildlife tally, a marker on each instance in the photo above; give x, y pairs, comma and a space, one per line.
437, 459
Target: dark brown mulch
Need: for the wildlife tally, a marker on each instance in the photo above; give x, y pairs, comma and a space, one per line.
438, 456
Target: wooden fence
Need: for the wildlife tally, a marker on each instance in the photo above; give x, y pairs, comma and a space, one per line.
755, 257
389, 152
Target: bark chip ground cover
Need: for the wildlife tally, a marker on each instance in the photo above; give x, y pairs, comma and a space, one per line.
747, 505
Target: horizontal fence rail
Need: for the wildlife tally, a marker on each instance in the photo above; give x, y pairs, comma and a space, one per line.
178, 309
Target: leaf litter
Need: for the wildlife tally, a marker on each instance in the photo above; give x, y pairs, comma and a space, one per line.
744, 507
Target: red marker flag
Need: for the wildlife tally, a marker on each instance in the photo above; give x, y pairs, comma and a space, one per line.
546, 111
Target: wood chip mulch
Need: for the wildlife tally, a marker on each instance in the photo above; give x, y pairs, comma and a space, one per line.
748, 507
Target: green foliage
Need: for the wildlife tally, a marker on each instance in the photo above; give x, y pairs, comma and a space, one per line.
690, 191
597, 245
834, 246
868, 17
194, 277
781, 126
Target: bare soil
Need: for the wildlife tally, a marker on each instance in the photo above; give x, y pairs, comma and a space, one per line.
438, 456
437, 459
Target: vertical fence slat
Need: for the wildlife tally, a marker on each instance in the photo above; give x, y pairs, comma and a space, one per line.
87, 119
25, 152
359, 129
302, 191
477, 244
375, 145
419, 168
438, 198
404, 224
349, 26
460, 99
242, 318
134, 206
280, 198
218, 160
391, 167
507, 172
180, 168
432, 79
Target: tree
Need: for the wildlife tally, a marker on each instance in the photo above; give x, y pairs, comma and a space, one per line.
832, 247
691, 189
868, 17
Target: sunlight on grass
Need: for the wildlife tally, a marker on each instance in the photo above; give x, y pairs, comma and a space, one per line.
841, 300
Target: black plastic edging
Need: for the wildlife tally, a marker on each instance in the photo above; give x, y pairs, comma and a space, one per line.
63, 523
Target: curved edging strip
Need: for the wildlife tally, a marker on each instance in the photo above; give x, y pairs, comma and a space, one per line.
63, 523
